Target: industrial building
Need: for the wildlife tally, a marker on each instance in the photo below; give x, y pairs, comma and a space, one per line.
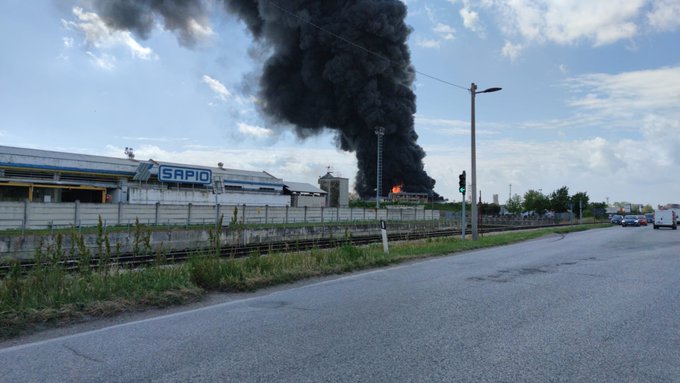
49, 176
337, 189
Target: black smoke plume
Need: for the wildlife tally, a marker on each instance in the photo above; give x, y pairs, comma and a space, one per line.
334, 64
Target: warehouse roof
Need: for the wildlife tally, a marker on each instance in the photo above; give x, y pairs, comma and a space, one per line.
300, 187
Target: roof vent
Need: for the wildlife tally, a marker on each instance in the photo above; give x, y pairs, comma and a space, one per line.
220, 165
128, 152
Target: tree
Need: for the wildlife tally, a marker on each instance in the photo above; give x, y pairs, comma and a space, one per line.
536, 201
514, 204
489, 209
598, 209
559, 200
582, 198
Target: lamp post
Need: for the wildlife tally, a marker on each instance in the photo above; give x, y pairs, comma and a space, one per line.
380, 132
473, 170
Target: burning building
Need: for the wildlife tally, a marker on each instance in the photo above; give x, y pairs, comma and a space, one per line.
398, 194
342, 65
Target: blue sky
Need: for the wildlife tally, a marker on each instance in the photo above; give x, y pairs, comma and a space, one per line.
590, 99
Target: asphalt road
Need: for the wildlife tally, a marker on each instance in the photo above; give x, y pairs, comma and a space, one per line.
596, 306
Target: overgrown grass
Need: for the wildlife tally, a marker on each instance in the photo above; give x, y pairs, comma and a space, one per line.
50, 295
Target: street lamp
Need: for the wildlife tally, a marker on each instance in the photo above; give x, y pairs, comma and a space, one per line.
473, 170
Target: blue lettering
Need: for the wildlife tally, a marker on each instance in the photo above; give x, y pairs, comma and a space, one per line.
166, 173
184, 175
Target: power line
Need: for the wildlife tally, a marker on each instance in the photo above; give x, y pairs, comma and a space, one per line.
359, 46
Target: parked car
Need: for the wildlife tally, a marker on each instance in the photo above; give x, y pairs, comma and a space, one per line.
630, 220
642, 220
616, 219
650, 218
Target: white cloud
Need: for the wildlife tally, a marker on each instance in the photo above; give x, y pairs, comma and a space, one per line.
471, 20
444, 31
255, 131
511, 50
450, 127
663, 135
428, 43
220, 90
200, 32
665, 15
68, 42
103, 61
100, 36
563, 69
628, 93
569, 21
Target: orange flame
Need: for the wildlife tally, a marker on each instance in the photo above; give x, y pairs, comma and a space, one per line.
397, 188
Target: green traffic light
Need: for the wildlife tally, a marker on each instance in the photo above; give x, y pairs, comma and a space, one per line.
462, 190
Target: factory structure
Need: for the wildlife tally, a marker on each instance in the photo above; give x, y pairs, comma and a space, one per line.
51, 177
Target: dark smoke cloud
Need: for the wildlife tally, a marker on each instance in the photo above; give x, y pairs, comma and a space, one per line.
139, 16
316, 80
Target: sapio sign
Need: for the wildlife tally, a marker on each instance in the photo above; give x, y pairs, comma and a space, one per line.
181, 174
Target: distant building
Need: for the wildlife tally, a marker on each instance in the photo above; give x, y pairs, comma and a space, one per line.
50, 177
303, 194
337, 189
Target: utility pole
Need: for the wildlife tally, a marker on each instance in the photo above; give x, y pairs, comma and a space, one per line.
473, 163
461, 189
473, 151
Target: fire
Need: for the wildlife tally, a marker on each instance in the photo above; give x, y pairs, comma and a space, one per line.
397, 188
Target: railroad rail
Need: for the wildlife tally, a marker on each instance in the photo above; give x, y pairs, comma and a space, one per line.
130, 260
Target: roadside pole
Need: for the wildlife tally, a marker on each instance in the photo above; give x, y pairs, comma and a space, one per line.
462, 220
383, 231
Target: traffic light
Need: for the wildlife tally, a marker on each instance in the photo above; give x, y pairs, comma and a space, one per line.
461, 182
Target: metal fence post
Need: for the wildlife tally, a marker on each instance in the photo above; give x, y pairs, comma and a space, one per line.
286, 213
189, 214
266, 214
156, 214
25, 223
76, 213
120, 212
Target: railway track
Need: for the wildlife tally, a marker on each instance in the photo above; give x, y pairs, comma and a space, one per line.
240, 251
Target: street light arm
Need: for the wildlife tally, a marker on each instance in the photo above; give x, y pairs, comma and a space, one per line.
489, 90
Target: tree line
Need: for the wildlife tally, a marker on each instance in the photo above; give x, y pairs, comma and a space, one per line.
559, 201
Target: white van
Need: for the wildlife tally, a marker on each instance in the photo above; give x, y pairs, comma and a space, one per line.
665, 218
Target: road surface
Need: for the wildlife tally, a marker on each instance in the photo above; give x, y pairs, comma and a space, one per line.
596, 306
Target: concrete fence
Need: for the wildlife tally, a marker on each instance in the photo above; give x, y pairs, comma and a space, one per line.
32, 215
